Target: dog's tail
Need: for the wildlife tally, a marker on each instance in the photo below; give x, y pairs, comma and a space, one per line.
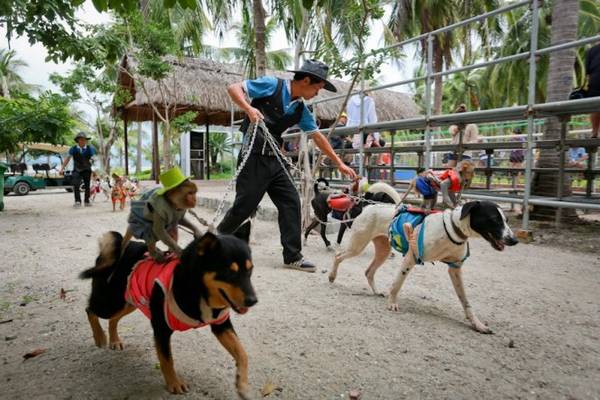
320, 184
110, 251
382, 187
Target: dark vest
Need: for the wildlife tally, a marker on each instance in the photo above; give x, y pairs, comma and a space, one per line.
81, 160
276, 120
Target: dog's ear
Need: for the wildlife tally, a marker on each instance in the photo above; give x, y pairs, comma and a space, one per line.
206, 243
468, 207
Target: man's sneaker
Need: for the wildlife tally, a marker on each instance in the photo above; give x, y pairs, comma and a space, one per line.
87, 204
77, 204
302, 265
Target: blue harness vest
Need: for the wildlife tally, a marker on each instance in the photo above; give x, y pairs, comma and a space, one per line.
399, 241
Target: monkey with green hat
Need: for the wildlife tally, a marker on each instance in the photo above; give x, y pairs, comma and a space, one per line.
158, 213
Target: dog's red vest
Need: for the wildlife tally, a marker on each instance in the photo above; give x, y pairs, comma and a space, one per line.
139, 288
454, 179
340, 202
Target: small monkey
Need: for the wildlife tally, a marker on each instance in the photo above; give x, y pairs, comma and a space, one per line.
159, 212
451, 182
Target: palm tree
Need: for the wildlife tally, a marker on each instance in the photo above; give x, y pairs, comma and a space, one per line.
246, 52
565, 15
411, 18
10, 80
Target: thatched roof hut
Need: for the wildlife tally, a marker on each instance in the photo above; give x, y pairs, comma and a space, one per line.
201, 85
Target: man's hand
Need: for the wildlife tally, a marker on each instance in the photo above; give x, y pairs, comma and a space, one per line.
254, 114
346, 170
61, 171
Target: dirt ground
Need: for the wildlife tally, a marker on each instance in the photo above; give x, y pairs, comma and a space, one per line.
311, 339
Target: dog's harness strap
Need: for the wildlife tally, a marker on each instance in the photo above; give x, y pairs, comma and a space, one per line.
448, 233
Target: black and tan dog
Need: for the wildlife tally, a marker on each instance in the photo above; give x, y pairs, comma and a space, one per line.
212, 276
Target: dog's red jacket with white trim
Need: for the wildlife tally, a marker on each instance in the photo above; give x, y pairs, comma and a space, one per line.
145, 274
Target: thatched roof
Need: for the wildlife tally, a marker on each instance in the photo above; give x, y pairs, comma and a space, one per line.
201, 85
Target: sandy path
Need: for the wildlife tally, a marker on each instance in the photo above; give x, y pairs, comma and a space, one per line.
313, 339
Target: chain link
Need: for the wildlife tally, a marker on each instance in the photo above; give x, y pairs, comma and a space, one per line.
241, 165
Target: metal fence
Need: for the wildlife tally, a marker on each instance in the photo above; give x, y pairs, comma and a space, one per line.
528, 112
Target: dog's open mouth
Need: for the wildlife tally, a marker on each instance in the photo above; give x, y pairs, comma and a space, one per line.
497, 244
239, 310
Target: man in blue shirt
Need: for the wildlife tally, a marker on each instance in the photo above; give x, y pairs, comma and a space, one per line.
81, 154
280, 104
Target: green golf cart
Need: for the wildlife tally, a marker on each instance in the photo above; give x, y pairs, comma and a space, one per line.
21, 180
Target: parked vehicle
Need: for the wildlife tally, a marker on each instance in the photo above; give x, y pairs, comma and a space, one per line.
19, 180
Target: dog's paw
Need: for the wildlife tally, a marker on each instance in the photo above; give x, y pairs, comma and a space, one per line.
116, 345
393, 307
481, 328
331, 278
244, 394
177, 386
329, 248
100, 340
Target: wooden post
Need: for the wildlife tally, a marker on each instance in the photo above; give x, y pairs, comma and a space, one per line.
207, 151
155, 153
126, 146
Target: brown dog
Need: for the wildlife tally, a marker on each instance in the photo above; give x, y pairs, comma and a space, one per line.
197, 290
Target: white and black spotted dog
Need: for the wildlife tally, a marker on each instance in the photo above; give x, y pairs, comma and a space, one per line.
444, 238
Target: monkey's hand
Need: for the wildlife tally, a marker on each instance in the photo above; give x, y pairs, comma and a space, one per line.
158, 255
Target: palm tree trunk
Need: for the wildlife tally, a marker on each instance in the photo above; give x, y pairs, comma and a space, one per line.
559, 84
259, 30
5, 91
300, 38
138, 149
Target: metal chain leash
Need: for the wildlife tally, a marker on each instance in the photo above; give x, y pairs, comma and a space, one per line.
285, 163
233, 180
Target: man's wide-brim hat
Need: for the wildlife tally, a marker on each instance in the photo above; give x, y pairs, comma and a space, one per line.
81, 135
317, 69
170, 179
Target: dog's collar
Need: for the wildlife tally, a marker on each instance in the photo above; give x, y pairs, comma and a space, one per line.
456, 230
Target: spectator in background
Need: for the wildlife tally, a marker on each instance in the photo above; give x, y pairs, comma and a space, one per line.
469, 133
592, 71
577, 157
337, 142
353, 109
517, 156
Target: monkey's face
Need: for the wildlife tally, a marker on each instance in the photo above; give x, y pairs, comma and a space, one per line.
190, 199
183, 196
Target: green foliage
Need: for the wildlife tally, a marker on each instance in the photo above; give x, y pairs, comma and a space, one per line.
53, 24
28, 120
184, 122
352, 27
128, 6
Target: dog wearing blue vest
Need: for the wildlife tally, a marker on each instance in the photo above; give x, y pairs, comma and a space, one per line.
424, 236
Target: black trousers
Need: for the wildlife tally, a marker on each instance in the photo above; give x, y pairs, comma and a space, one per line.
77, 177
264, 174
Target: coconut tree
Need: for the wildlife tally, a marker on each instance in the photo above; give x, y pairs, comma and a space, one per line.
411, 18
565, 15
10, 80
246, 52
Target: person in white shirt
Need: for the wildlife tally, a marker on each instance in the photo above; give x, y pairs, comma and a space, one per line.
370, 117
